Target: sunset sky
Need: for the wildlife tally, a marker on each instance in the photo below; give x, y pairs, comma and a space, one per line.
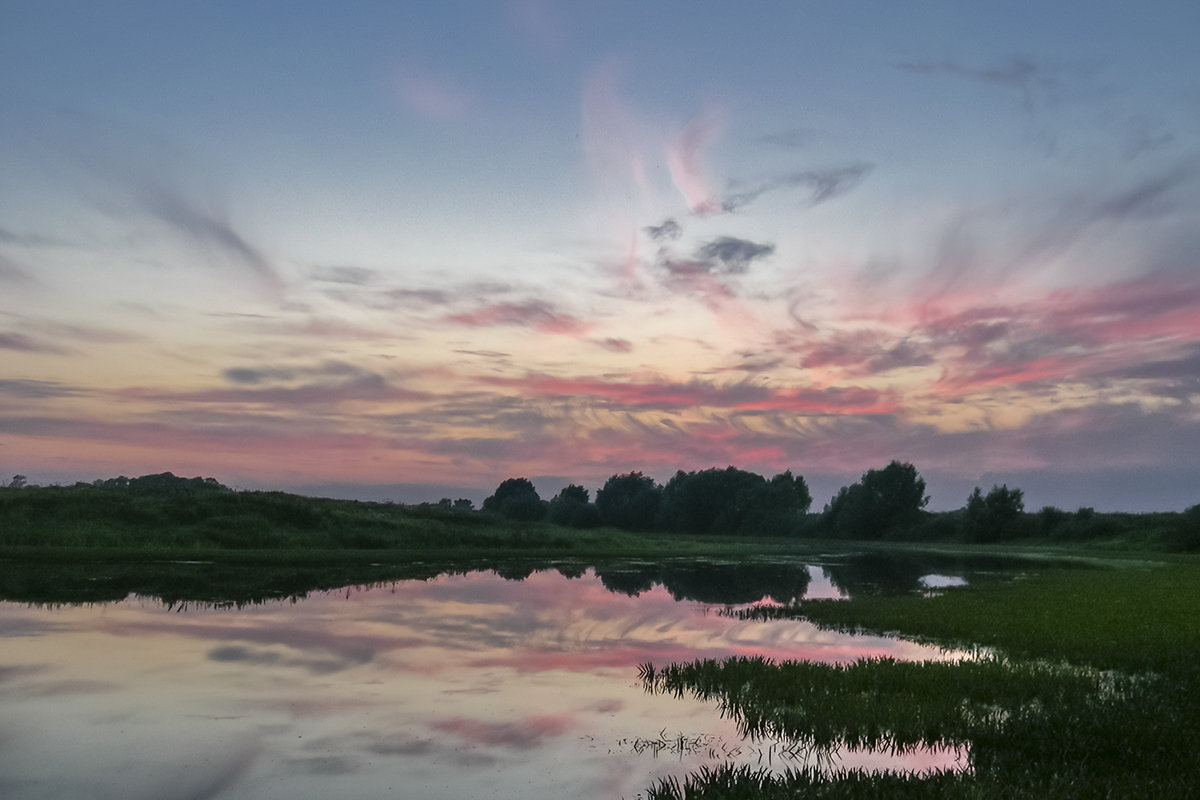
406, 250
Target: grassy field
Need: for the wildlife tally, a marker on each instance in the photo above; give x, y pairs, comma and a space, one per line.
1091, 688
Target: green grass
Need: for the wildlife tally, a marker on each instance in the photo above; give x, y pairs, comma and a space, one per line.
1135, 618
1091, 691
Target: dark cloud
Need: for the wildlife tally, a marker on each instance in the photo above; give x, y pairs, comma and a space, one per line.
668, 231
1036, 83
1187, 366
1143, 136
431, 297
356, 276
864, 352
36, 390
255, 375
251, 376
1177, 377
24, 344
526, 734
671, 395
257, 656
31, 239
326, 384
616, 345
823, 185
792, 139
730, 255
536, 314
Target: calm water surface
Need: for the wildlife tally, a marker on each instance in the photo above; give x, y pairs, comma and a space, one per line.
464, 686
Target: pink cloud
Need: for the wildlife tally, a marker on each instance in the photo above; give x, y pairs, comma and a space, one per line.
685, 158
740, 396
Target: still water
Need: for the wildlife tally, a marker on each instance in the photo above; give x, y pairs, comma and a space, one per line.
461, 686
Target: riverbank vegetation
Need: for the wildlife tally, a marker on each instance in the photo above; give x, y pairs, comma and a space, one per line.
1088, 689
631, 514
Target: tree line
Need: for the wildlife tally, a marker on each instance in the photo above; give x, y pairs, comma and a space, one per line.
885, 503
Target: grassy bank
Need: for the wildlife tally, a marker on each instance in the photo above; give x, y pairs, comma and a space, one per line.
1091, 691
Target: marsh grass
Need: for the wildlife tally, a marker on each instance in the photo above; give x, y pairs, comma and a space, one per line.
1091, 691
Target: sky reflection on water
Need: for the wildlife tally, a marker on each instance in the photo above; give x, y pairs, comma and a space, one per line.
464, 686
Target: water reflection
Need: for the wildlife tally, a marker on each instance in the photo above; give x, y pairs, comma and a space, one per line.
181, 583
458, 686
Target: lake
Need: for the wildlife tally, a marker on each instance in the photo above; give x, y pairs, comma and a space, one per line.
475, 685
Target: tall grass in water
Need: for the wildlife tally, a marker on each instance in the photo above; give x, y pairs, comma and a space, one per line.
1096, 693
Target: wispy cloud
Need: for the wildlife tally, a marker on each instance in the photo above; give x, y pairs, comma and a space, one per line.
822, 185
791, 139
12, 274
538, 315
21, 343
616, 345
292, 387
206, 230
1036, 84
685, 158
31, 240
355, 276
37, 390
669, 395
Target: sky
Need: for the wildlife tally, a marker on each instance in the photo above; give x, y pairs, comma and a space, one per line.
408, 250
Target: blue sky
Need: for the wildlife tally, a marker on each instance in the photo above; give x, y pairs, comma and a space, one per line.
437, 245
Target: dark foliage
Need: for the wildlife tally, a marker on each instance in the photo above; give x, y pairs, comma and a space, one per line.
572, 507
515, 499
882, 501
629, 501
994, 516
710, 501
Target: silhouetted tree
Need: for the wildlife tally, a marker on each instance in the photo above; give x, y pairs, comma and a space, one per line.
1187, 533
629, 501
779, 506
463, 504
515, 498
572, 507
733, 501
995, 515
709, 501
883, 499
17, 482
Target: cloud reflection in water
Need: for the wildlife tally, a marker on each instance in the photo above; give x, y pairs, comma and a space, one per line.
461, 686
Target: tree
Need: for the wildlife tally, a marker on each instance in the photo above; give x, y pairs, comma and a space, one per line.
515, 498
882, 500
18, 482
733, 501
629, 501
709, 501
779, 506
572, 507
995, 515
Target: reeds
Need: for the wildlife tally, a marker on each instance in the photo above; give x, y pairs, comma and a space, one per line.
1090, 690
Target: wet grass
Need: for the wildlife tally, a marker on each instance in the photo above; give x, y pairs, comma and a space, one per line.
1091, 690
